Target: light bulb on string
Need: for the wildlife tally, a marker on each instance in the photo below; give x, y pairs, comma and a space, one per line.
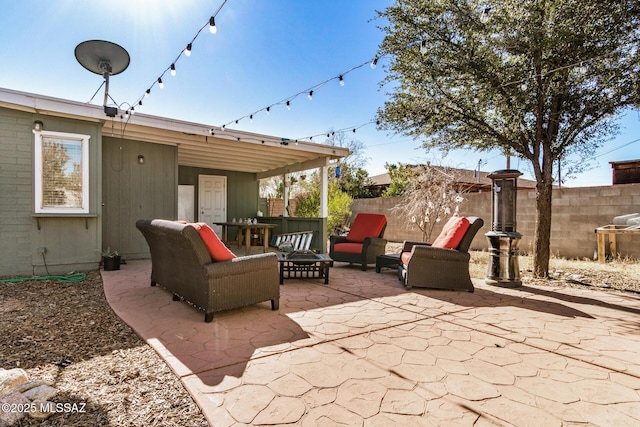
147, 93
212, 25
173, 69
140, 104
132, 111
374, 63
187, 50
423, 47
310, 96
268, 110
583, 69
524, 86
288, 105
251, 118
484, 15
160, 83
341, 81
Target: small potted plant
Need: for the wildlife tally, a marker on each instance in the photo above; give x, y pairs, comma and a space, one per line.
110, 260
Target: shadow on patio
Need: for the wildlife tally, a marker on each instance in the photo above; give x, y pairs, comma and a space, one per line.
364, 348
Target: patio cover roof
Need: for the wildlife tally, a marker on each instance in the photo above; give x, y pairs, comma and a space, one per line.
199, 145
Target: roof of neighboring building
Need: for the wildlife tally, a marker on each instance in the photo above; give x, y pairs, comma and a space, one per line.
199, 145
466, 176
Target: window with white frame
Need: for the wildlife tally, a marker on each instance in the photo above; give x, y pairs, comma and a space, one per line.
61, 172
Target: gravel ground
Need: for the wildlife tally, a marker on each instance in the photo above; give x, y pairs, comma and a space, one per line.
67, 335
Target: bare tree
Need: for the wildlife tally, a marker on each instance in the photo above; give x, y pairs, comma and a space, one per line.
433, 195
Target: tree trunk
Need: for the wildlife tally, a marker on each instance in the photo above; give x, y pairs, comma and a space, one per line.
542, 238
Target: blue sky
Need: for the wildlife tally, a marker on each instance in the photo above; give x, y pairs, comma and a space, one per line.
264, 51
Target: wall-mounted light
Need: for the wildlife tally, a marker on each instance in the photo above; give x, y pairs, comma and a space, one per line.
140, 159
38, 125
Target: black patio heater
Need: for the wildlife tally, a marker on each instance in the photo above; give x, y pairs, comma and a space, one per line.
504, 269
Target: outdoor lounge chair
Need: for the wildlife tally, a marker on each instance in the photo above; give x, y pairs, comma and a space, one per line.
363, 243
444, 264
192, 263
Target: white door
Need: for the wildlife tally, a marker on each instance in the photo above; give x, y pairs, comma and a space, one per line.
212, 198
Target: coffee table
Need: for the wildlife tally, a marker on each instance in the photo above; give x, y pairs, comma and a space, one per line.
304, 265
387, 261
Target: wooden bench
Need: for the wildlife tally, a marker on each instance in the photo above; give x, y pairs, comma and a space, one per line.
300, 241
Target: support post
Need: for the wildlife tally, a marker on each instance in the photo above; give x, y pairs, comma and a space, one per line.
285, 195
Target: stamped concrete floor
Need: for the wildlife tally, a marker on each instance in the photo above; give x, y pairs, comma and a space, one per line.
363, 351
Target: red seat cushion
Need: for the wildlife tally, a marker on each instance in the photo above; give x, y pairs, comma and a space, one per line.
217, 249
352, 248
366, 225
452, 233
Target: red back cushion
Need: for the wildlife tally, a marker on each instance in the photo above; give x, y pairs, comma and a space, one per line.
452, 233
217, 249
366, 225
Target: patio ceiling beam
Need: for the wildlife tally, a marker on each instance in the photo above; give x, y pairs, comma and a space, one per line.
297, 167
254, 161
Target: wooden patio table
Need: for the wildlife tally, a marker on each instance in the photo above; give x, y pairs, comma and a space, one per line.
245, 230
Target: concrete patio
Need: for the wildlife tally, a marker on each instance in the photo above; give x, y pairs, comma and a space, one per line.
363, 351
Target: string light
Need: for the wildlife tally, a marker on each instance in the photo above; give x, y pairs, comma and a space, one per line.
351, 129
185, 52
423, 47
374, 63
484, 15
212, 25
310, 92
583, 68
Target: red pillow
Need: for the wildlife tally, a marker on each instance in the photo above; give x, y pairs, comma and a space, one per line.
452, 233
217, 249
366, 225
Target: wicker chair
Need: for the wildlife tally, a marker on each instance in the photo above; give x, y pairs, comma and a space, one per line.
425, 266
181, 263
363, 243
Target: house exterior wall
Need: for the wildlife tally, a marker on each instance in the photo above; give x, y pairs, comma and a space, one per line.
576, 213
71, 242
133, 191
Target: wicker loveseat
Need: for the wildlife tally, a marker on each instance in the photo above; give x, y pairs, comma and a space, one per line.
425, 266
182, 263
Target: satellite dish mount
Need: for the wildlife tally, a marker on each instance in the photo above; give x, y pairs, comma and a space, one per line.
104, 58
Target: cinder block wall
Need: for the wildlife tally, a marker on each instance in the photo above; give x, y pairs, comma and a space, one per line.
576, 212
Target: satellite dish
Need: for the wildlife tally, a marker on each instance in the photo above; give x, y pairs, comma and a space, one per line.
104, 58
